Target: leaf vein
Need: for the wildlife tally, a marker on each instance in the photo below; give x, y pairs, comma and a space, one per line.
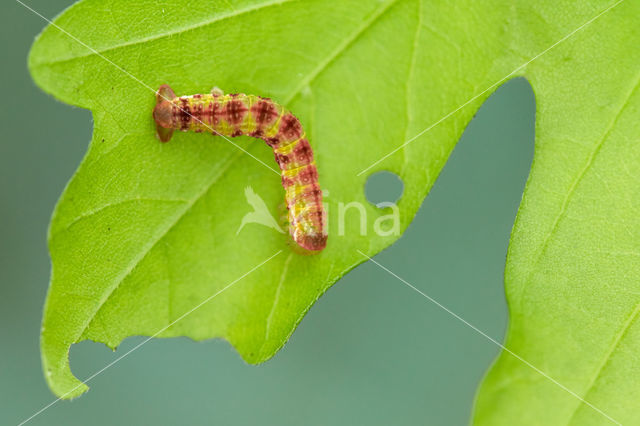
410, 76
276, 297
93, 212
163, 232
593, 154
616, 342
177, 31
341, 48
562, 213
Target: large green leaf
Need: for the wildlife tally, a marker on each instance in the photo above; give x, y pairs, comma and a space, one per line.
145, 232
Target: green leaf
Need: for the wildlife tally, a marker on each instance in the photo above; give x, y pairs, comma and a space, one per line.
145, 232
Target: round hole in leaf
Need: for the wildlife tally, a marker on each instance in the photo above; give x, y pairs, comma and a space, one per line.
383, 187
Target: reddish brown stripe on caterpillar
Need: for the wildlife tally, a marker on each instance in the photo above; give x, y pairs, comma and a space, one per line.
239, 114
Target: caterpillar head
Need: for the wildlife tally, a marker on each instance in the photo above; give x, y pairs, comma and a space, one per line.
163, 112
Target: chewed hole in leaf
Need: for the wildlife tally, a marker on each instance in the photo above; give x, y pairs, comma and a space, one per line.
383, 187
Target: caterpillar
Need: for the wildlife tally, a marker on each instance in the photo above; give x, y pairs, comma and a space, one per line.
239, 114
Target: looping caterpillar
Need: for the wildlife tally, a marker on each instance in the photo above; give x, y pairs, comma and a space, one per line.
239, 114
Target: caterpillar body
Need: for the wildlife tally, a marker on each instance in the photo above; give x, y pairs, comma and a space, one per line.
239, 114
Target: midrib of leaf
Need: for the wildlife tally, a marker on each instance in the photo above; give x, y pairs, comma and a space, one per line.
304, 82
163, 232
170, 33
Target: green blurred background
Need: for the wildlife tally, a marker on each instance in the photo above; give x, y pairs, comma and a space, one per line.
370, 352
